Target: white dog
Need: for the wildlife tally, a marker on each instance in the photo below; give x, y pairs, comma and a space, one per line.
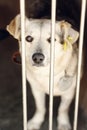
38, 40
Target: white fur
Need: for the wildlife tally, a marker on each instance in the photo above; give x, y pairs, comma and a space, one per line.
38, 76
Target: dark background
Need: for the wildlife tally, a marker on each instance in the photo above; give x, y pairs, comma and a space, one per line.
10, 73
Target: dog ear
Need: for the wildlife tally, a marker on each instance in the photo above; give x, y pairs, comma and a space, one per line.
69, 34
14, 27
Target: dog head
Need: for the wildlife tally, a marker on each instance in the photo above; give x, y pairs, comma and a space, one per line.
38, 39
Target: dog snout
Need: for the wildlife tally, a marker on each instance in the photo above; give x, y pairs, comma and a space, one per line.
38, 58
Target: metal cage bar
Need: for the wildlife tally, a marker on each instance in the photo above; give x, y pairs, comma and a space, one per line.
22, 13
52, 51
82, 23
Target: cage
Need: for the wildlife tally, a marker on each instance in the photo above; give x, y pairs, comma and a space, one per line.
11, 94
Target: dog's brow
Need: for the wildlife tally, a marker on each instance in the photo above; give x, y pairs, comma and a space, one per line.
41, 24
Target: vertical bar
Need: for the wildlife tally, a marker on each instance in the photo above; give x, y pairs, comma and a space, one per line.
22, 12
83, 10
51, 86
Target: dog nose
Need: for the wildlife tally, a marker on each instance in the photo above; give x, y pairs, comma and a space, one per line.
38, 58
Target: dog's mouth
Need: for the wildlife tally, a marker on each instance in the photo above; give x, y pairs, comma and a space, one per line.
38, 65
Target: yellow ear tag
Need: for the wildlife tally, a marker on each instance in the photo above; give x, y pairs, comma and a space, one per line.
69, 38
65, 46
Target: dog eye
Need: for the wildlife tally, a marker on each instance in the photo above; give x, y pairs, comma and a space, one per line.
29, 39
62, 41
49, 39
